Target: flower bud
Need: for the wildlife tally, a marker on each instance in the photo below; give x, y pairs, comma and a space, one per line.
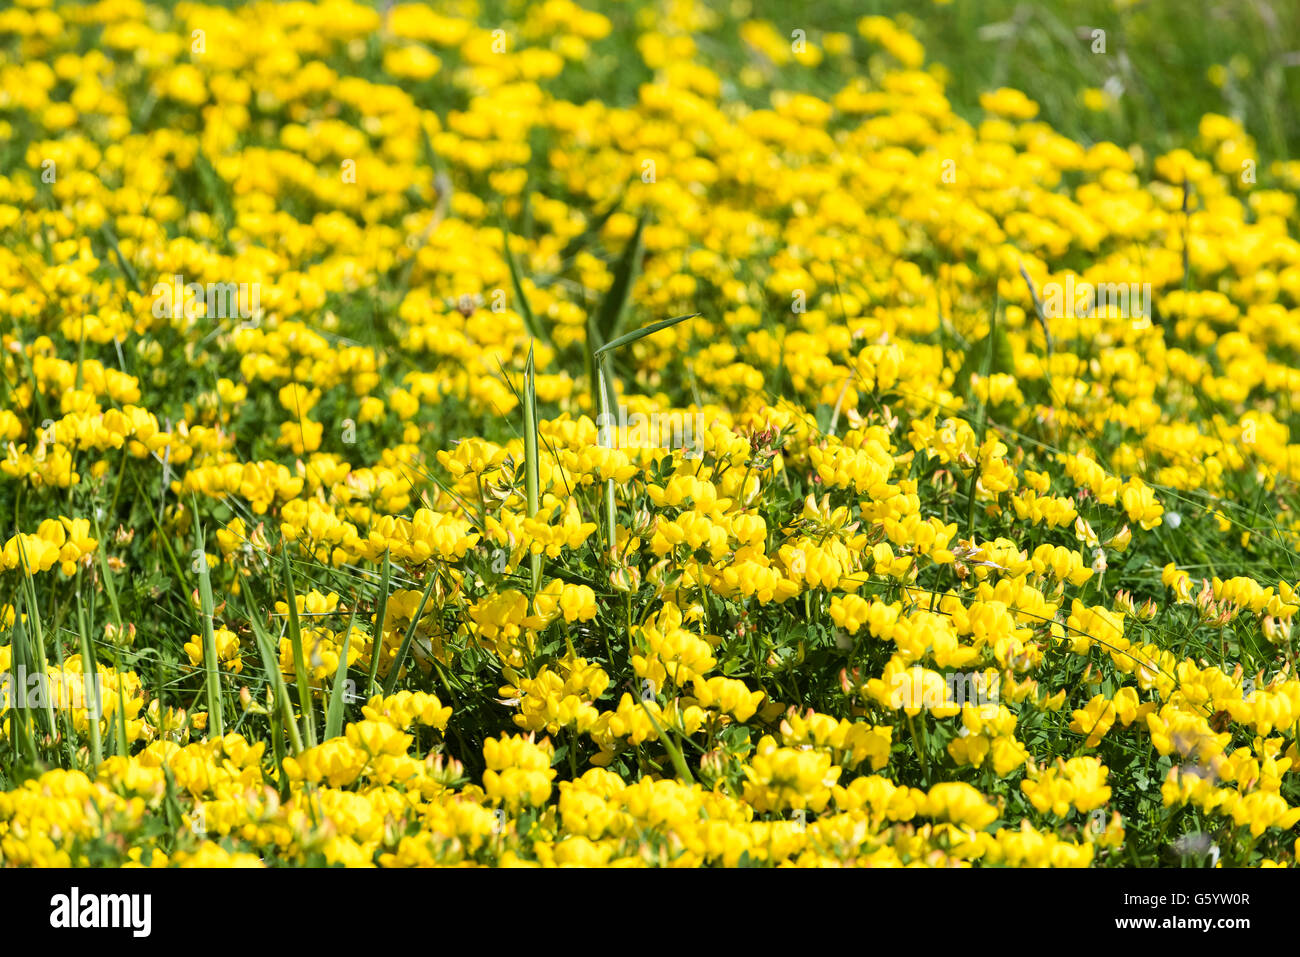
625, 578
120, 636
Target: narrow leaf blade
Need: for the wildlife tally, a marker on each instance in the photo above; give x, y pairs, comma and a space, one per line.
609, 317
641, 333
525, 309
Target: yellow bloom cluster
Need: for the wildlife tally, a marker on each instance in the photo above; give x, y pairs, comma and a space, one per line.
890, 577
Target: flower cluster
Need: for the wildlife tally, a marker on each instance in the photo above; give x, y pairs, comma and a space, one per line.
955, 570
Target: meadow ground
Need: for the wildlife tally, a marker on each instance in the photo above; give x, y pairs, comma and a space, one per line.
649, 433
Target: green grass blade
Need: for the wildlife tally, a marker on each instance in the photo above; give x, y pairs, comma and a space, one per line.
525, 310
334, 716
605, 399
609, 317
121, 746
305, 703
674, 752
216, 191
90, 687
594, 226
110, 589
377, 636
212, 678
391, 681
991, 354
36, 649
271, 665
1038, 309
20, 723
532, 465
125, 266
641, 333
37, 663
